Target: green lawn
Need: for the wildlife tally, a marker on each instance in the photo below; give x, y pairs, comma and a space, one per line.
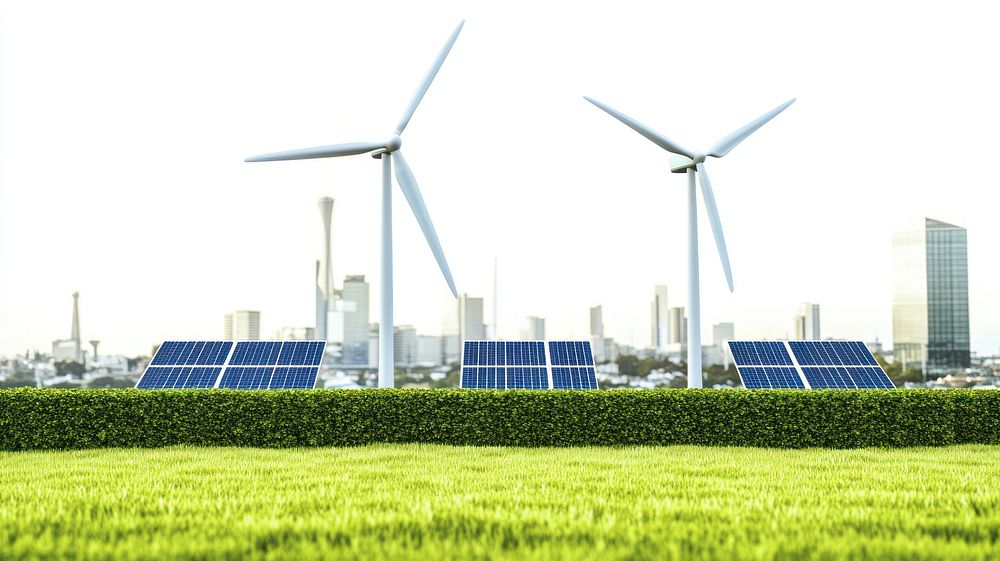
423, 502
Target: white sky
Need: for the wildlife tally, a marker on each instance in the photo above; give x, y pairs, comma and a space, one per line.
123, 128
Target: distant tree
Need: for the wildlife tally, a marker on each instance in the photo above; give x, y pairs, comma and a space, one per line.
19, 380
70, 367
897, 374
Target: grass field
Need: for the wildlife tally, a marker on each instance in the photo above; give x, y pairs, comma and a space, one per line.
422, 502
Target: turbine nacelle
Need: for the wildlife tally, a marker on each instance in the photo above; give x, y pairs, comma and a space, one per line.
680, 164
392, 144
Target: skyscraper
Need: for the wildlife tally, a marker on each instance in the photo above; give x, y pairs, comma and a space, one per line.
535, 330
805, 324
930, 311
242, 325
354, 301
677, 322
660, 313
470, 319
404, 341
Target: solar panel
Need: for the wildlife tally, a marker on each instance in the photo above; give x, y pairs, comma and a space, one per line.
808, 364
574, 378
763, 377
184, 353
245, 365
528, 365
164, 377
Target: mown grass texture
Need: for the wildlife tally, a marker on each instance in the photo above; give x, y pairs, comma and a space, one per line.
392, 501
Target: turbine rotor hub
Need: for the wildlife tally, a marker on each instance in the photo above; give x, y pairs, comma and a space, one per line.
393, 143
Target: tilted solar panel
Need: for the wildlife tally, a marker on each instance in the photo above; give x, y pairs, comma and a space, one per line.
245, 365
810, 364
527, 365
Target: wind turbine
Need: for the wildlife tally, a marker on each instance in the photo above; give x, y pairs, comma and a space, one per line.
388, 150
693, 163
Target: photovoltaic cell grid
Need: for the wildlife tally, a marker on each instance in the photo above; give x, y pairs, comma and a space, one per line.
570, 353
503, 353
763, 353
823, 364
770, 377
252, 365
172, 377
185, 353
833, 353
523, 365
574, 378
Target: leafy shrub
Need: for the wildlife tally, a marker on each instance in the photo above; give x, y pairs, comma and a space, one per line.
62, 419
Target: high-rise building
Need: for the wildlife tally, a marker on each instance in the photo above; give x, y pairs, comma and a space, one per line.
296, 334
677, 323
430, 350
722, 333
659, 318
930, 310
805, 324
597, 333
404, 345
242, 325
470, 319
535, 330
354, 301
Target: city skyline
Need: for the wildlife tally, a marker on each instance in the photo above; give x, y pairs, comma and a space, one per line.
181, 118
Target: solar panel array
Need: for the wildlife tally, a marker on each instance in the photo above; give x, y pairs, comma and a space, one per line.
243, 365
528, 365
808, 364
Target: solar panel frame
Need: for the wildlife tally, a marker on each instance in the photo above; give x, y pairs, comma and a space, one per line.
819, 364
204, 364
525, 364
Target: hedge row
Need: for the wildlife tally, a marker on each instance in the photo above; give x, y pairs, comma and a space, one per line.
59, 419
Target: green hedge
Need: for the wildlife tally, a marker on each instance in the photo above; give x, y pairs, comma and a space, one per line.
58, 419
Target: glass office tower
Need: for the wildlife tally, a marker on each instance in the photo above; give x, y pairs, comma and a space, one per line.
930, 312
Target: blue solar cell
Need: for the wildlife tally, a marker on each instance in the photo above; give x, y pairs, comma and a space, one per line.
570, 353
202, 353
574, 378
301, 353
256, 353
294, 377
202, 377
760, 353
523, 377
153, 377
826, 377
832, 353
469, 377
773, 377
246, 377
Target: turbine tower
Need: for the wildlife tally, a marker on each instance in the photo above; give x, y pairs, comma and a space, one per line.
693, 163
324, 272
388, 150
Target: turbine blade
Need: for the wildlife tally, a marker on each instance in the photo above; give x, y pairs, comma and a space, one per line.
331, 151
655, 137
723, 146
713, 218
428, 79
408, 184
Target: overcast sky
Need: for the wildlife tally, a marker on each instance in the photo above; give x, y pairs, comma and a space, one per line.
124, 125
